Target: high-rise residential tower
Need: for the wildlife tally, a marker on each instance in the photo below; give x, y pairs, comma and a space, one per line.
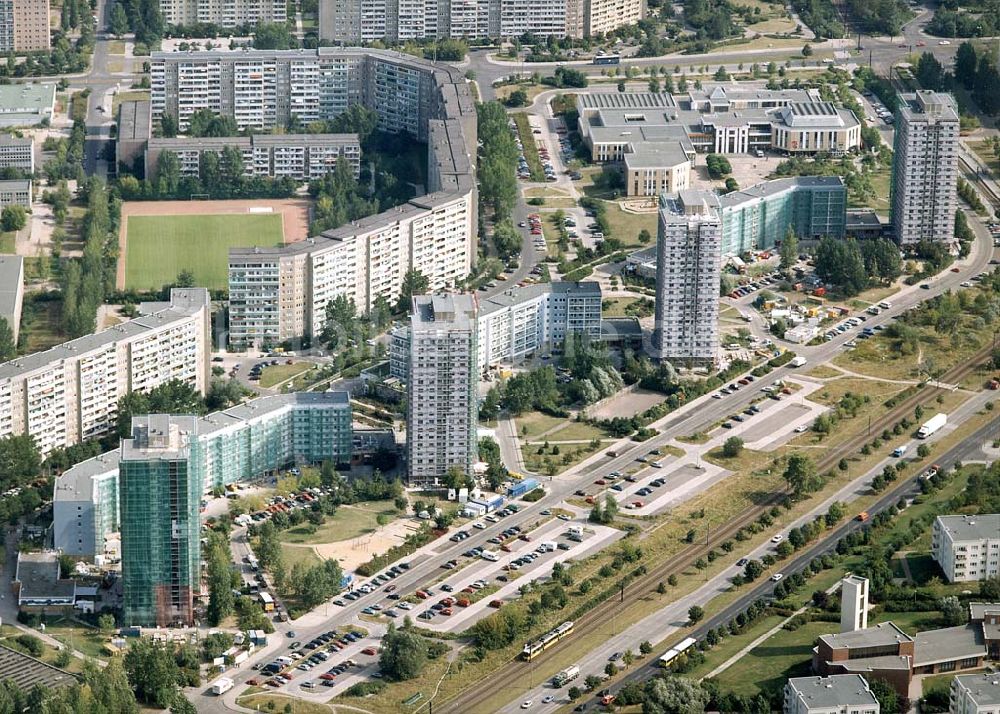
925, 168
160, 496
688, 262
442, 403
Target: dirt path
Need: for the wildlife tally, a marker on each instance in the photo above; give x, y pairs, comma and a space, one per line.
294, 218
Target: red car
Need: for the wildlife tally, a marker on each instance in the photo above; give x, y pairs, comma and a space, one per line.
327, 676
600, 482
252, 682
369, 651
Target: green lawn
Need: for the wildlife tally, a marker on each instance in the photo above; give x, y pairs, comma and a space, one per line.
348, 522
160, 247
7, 242
291, 555
531, 424
82, 638
767, 666
271, 376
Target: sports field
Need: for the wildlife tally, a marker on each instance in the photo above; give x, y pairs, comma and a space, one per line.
161, 247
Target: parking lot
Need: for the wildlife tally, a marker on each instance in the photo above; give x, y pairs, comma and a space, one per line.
456, 602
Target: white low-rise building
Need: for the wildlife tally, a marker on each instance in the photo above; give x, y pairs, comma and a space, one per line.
967, 547
975, 694
836, 694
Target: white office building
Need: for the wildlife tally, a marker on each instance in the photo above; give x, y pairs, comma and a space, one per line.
975, 694
836, 694
17, 152
967, 547
442, 400
688, 263
925, 168
70, 393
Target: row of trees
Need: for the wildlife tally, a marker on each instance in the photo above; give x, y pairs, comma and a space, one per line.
977, 72
497, 161
86, 281
852, 265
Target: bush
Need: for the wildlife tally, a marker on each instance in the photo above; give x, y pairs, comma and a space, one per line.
363, 689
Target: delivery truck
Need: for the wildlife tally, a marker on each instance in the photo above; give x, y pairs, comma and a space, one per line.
222, 685
932, 425
565, 676
797, 361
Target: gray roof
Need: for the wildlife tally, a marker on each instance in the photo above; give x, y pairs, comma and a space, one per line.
720, 93
834, 691
182, 309
874, 664
948, 644
767, 189
625, 100
620, 327
516, 295
884, 633
978, 610
11, 284
11, 140
961, 528
927, 106
25, 672
983, 688
77, 483
656, 155
863, 219
134, 120
190, 143
451, 310
16, 185
26, 103
38, 574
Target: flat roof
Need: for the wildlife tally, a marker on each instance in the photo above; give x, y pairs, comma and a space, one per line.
978, 610
837, 690
625, 100
26, 103
11, 284
455, 310
16, 185
77, 482
884, 633
927, 106
966, 527
515, 295
134, 120
983, 688
25, 671
948, 644
82, 345
775, 187
647, 154
38, 574
11, 140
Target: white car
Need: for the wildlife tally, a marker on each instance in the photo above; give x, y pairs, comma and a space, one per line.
944, 42
776, 577
405, 606
777, 538
479, 525
801, 428
548, 699
526, 704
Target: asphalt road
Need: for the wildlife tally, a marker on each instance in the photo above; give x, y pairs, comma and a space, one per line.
969, 449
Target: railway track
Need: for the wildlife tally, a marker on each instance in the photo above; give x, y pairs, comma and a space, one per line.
516, 670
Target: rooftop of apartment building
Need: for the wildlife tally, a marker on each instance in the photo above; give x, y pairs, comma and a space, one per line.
159, 437
881, 635
968, 527
135, 120
983, 687
681, 206
77, 483
457, 310
516, 295
775, 187
927, 106
26, 671
188, 300
11, 140
38, 574
833, 692
11, 280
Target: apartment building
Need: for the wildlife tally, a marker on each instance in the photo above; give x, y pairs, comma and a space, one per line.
837, 694
224, 13
377, 20
720, 120
688, 264
302, 157
975, 694
442, 405
12, 291
24, 26
17, 152
967, 547
519, 322
70, 393
758, 218
16, 192
281, 293
238, 444
923, 192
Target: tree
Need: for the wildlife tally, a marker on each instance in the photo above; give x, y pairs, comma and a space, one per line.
952, 611
611, 669
807, 50
220, 583
8, 348
752, 570
106, 623
718, 166
272, 36
800, 474
517, 98
887, 697
732, 447
965, 64
414, 283
840, 263
789, 250
695, 614
645, 236
645, 647
989, 589
592, 682
404, 654
13, 218
574, 693
118, 20
20, 461
153, 672
674, 695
